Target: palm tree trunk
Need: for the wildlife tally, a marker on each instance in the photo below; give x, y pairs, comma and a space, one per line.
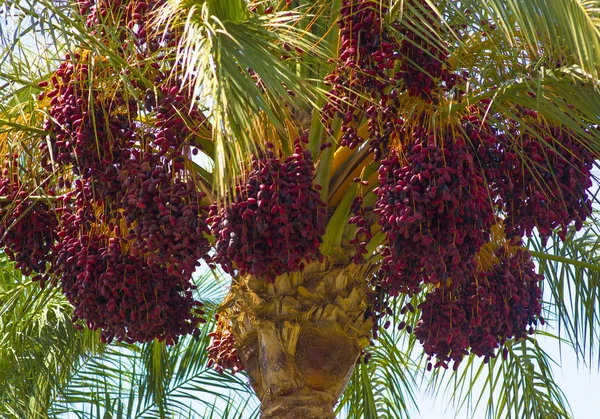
300, 337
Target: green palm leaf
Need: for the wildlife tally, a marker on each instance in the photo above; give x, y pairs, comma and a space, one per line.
572, 285
39, 347
158, 381
518, 386
385, 386
234, 62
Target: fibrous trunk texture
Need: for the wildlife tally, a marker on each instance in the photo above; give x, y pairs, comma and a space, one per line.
300, 337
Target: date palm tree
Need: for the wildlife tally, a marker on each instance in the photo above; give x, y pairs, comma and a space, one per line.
367, 184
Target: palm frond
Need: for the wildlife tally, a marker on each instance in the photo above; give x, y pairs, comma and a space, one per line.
233, 61
519, 384
510, 63
155, 380
564, 30
572, 287
385, 386
39, 346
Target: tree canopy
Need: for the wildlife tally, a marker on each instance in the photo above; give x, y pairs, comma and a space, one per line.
414, 178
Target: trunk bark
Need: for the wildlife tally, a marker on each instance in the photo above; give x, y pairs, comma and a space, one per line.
300, 337
310, 406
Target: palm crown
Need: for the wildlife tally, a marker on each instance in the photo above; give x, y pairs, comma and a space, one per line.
350, 163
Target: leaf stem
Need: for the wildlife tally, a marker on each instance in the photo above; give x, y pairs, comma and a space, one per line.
33, 197
566, 260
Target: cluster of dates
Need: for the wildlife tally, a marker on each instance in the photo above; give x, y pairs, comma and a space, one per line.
424, 67
128, 227
272, 226
131, 16
434, 209
130, 239
126, 253
502, 303
122, 294
222, 353
551, 194
378, 64
27, 226
440, 194
275, 222
437, 203
360, 84
87, 134
165, 219
538, 174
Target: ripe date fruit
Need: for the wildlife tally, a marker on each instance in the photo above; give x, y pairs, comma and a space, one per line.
275, 222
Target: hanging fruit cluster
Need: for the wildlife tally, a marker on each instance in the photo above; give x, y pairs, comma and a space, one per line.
531, 175
123, 295
377, 65
441, 189
165, 215
276, 220
367, 54
538, 173
435, 212
131, 16
501, 303
88, 134
222, 353
423, 69
550, 184
27, 226
128, 228
504, 302
437, 203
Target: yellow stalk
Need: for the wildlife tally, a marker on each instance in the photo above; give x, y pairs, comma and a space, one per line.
338, 194
486, 257
342, 154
